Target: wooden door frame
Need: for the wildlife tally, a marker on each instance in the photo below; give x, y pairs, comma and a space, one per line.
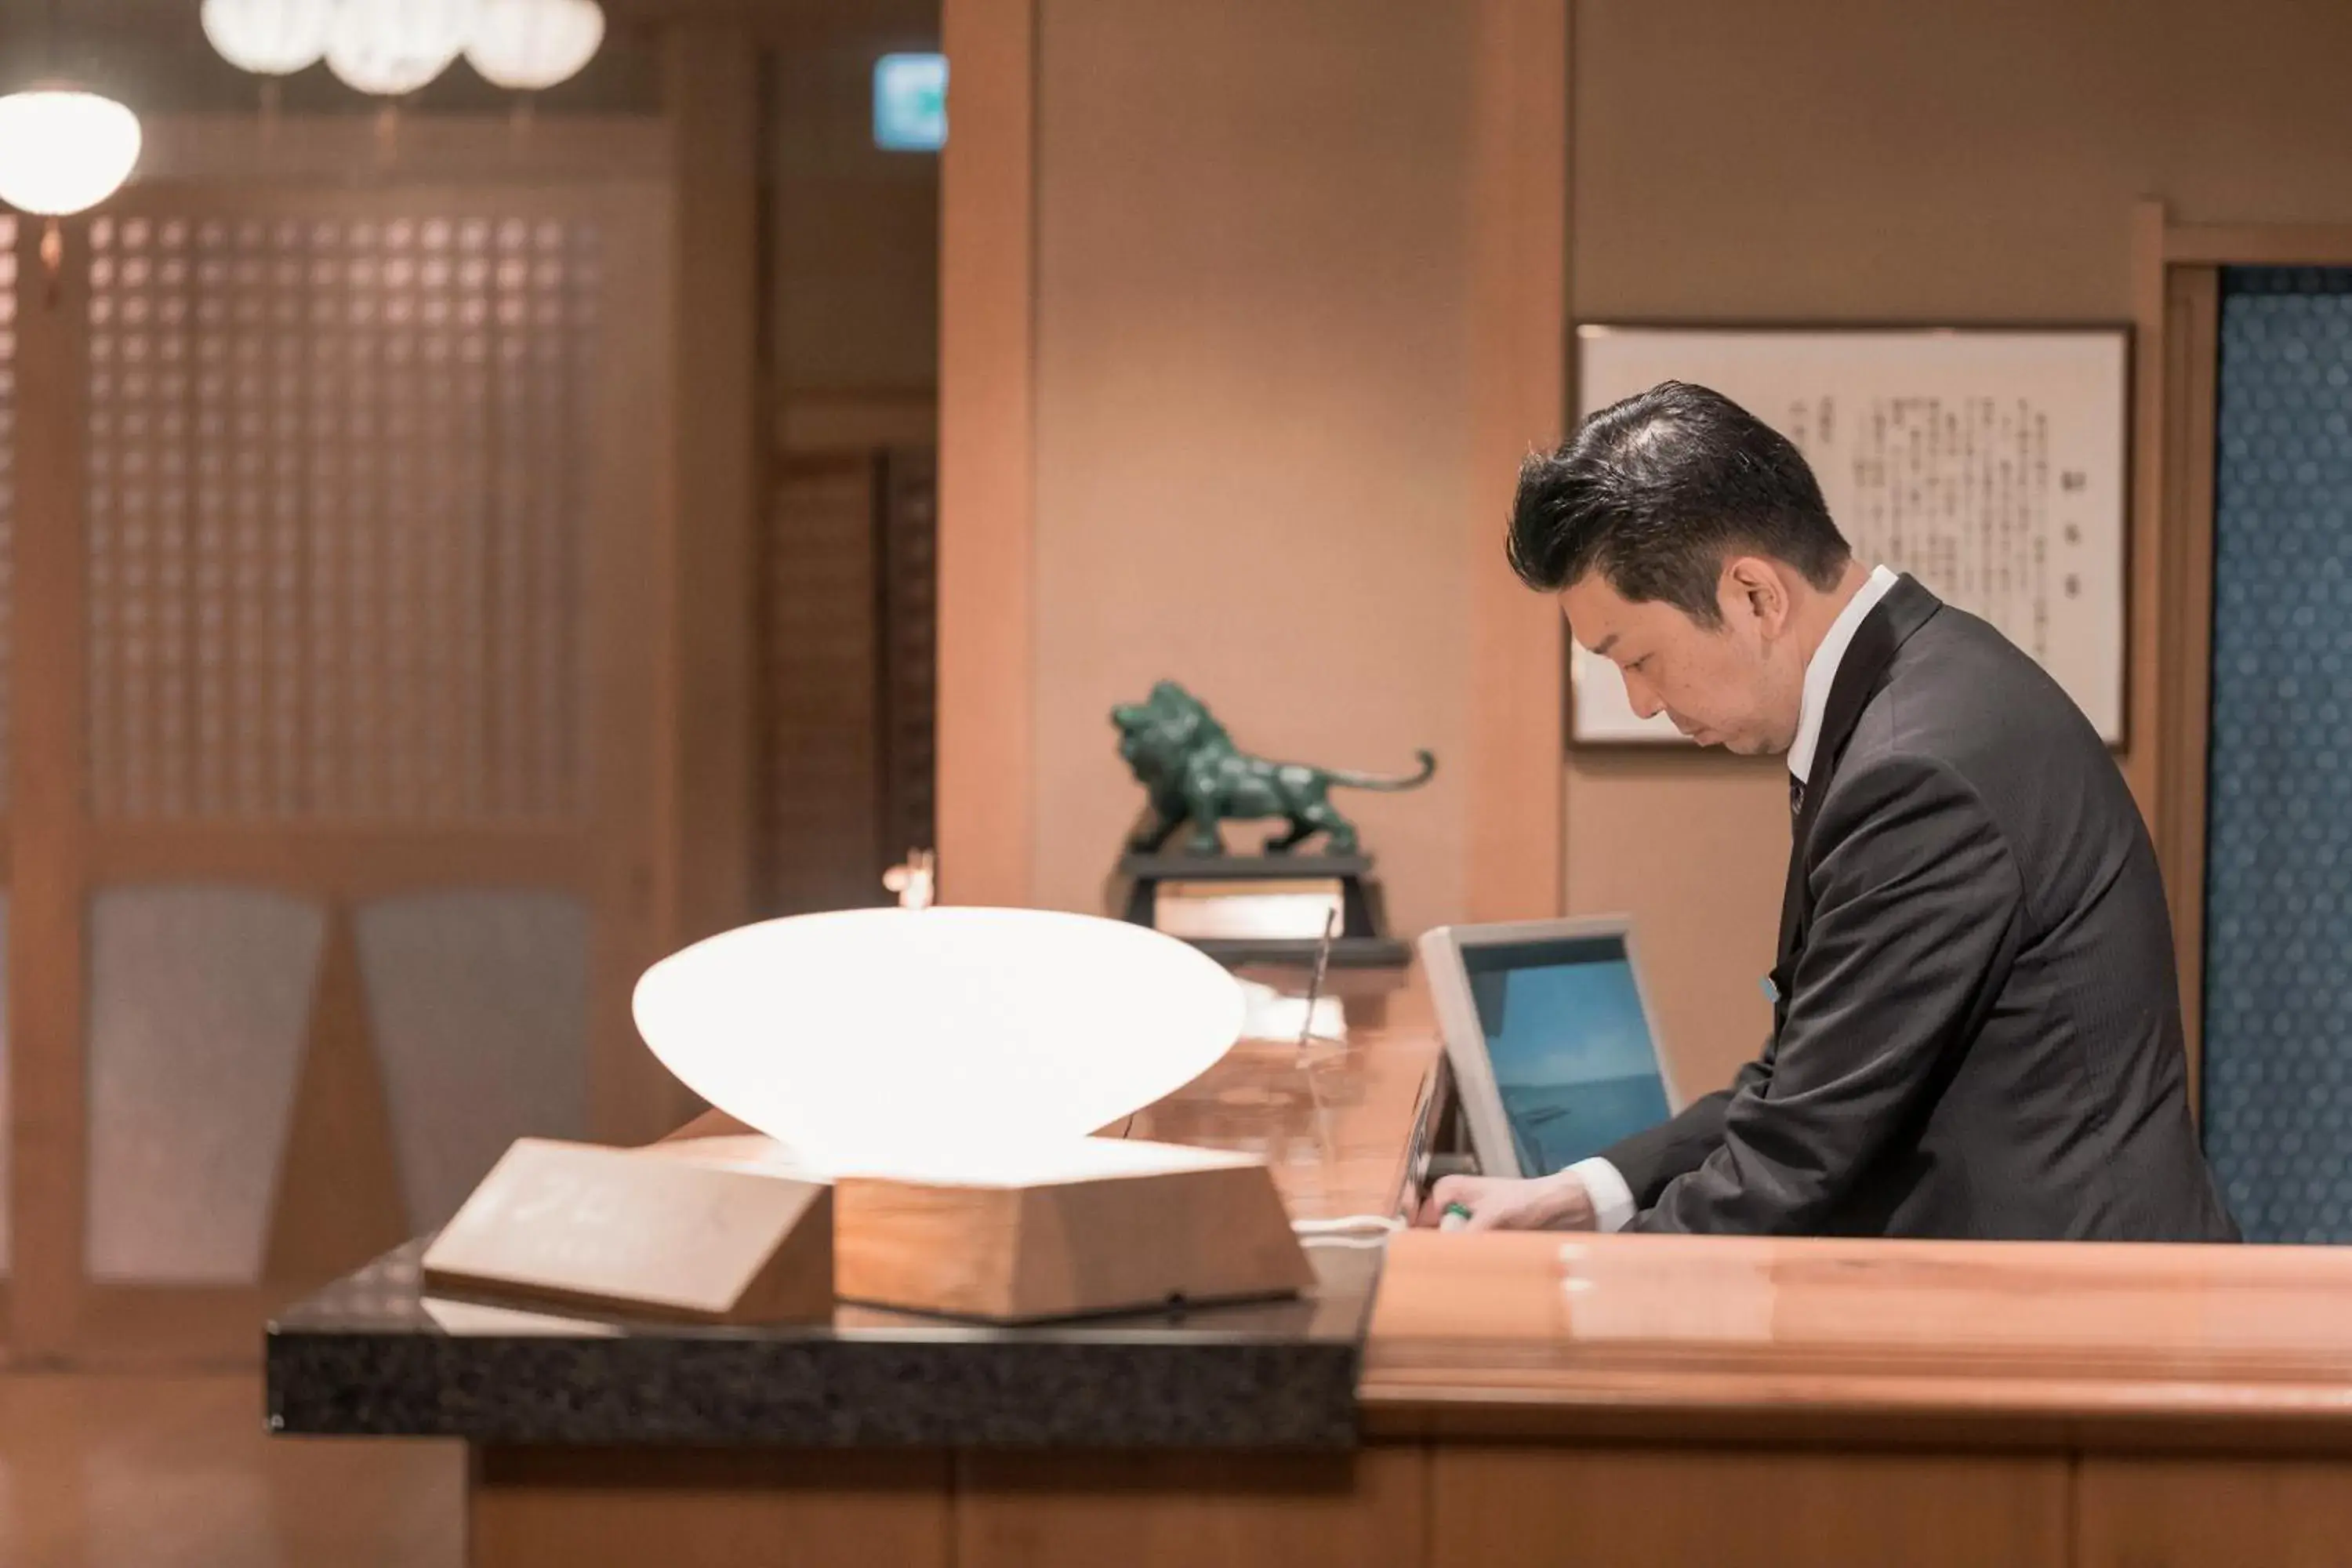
987, 521
2176, 278
616, 858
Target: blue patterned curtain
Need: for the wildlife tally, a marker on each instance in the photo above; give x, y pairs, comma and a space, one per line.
2278, 927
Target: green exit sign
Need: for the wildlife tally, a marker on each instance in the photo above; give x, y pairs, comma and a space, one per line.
910, 103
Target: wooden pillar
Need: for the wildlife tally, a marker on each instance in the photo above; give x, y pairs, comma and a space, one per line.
987, 450
48, 919
711, 85
2142, 760
1519, 326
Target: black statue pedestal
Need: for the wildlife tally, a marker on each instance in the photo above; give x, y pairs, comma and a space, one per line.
1361, 943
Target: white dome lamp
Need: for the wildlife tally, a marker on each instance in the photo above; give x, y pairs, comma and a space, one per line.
392, 47
63, 151
526, 46
268, 38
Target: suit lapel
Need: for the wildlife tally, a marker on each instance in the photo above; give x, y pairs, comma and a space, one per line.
1906, 607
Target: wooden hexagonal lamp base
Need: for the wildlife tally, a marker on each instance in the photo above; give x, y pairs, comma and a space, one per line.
1102, 1226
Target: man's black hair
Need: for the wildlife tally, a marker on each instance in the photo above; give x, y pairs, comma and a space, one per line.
1656, 492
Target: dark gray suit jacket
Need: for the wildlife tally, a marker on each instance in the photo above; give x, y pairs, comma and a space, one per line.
1979, 1026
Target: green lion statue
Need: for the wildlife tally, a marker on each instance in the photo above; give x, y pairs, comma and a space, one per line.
1193, 773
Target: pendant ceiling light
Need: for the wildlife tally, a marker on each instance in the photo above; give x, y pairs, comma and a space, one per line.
64, 151
527, 44
393, 47
268, 38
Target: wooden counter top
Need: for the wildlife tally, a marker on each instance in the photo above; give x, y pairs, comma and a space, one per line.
1538, 1331
1337, 1125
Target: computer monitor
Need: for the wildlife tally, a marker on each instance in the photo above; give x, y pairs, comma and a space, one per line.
1549, 1038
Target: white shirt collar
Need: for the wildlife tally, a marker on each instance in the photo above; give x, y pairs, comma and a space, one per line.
1820, 670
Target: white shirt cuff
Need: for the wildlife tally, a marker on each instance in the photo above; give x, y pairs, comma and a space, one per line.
1612, 1200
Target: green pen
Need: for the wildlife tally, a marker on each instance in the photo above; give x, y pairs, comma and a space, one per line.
1454, 1217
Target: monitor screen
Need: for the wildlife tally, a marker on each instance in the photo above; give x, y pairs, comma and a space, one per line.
1574, 1059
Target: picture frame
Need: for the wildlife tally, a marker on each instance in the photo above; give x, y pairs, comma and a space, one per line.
1992, 462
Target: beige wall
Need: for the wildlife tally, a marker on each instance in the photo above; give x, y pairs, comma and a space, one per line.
1252, 399
1817, 160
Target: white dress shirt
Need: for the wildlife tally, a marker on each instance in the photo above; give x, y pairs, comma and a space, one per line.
1612, 1200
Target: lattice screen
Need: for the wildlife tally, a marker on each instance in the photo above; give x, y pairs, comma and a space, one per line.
336, 517
908, 635
848, 650
820, 792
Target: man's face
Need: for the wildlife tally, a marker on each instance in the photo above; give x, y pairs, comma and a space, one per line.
1738, 685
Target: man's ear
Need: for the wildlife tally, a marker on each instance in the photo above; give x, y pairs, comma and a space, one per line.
1752, 584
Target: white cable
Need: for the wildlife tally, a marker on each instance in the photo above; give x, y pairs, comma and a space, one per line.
1382, 1226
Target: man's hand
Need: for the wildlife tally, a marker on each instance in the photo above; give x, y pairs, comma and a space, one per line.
1500, 1203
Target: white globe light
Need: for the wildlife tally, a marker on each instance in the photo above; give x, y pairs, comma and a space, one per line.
526, 44
869, 1040
62, 150
392, 47
268, 38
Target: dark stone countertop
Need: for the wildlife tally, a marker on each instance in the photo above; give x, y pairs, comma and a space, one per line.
373, 1355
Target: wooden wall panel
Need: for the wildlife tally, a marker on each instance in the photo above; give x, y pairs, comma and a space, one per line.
1518, 330
1254, 388
1692, 1508
712, 87
736, 1508
46, 935
2180, 541
1173, 1510
10, 303
908, 693
820, 702
2198, 1512
847, 714
635, 862
987, 459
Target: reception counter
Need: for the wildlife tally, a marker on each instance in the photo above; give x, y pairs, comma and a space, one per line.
375, 1356
1468, 1400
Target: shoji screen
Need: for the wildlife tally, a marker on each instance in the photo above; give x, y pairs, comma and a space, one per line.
339, 738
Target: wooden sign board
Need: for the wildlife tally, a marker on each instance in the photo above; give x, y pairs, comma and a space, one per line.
626, 1231
1102, 1226
1299, 908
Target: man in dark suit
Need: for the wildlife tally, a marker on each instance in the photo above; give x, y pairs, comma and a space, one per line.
1976, 1020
